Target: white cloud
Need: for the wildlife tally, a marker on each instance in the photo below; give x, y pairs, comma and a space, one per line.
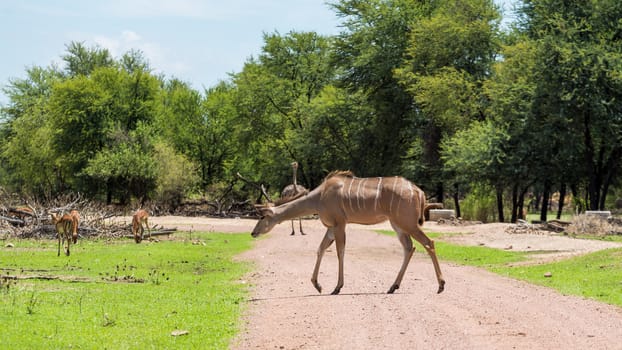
161, 59
130, 36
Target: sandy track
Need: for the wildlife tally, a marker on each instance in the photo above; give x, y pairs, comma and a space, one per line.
478, 310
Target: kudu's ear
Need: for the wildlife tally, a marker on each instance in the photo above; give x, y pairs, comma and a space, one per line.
265, 209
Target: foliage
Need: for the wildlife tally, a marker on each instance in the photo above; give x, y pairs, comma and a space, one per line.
433, 91
476, 153
479, 204
123, 294
176, 176
578, 61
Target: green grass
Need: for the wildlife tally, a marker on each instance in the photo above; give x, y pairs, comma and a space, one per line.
549, 216
469, 255
122, 295
597, 275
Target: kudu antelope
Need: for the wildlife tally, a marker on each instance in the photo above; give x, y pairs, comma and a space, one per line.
343, 198
140, 217
64, 227
292, 191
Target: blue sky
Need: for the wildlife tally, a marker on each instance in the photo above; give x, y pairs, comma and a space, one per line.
198, 41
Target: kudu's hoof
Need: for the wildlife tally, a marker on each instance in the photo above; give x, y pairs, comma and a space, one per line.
393, 288
441, 287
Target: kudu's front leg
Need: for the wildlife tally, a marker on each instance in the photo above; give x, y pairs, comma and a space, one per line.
326, 242
340, 242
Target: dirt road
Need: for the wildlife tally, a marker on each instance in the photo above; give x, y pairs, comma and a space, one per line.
477, 310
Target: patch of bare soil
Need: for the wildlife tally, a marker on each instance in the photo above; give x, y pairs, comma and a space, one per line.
477, 310
544, 246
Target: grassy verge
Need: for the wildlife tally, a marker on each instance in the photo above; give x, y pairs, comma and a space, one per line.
122, 295
597, 275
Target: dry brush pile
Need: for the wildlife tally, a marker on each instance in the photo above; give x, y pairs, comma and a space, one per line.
588, 225
25, 218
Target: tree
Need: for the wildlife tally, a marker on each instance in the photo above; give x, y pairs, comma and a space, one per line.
81, 60
510, 94
578, 64
367, 52
273, 96
25, 150
448, 57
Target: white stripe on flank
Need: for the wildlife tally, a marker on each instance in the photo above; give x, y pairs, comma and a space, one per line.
377, 193
350, 194
358, 194
392, 194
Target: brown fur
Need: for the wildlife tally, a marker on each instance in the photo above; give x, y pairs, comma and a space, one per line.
64, 227
75, 220
334, 173
342, 199
140, 217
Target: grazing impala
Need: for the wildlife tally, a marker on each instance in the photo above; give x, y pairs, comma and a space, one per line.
64, 227
75, 220
343, 198
140, 217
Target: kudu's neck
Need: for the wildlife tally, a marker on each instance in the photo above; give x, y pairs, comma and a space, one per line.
305, 205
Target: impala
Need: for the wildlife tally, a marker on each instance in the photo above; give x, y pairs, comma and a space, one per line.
75, 221
140, 217
64, 227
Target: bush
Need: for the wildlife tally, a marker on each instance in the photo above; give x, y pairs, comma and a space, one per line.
176, 176
479, 204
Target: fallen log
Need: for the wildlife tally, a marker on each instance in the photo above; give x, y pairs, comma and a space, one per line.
13, 221
162, 232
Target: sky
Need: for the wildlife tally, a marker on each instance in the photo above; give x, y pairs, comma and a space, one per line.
198, 41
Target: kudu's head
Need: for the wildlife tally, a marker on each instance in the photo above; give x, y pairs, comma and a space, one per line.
266, 221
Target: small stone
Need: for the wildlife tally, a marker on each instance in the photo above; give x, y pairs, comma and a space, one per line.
548, 274
178, 332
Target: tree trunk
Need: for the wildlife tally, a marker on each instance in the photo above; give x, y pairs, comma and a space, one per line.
440, 192
521, 205
562, 197
500, 203
514, 216
545, 200
457, 203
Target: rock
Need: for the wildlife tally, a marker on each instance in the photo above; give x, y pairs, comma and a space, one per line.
548, 274
178, 332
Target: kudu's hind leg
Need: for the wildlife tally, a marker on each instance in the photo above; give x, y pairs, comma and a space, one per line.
407, 244
428, 244
328, 239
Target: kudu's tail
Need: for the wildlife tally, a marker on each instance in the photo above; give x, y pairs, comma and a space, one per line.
424, 207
